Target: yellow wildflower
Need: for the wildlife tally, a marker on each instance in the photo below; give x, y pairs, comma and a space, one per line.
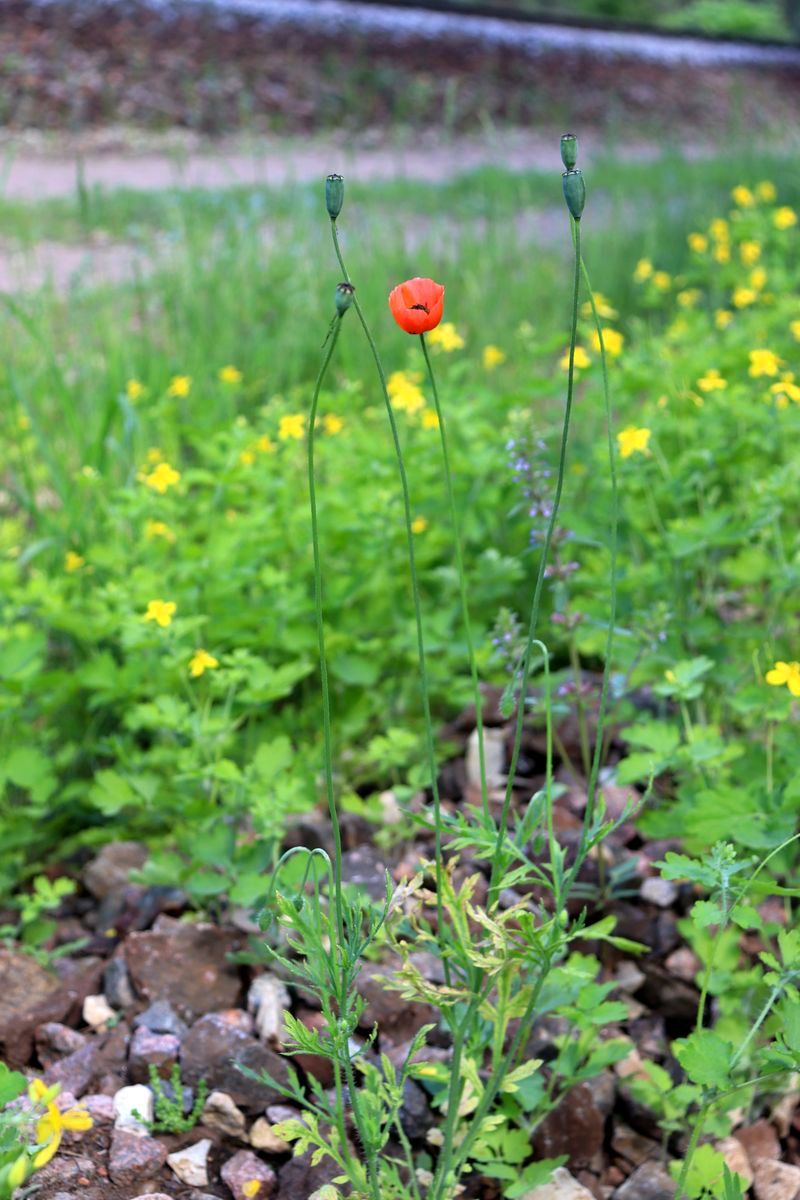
719, 229
73, 561
712, 381
688, 297
265, 444
766, 190
419, 525
795, 328
603, 307
154, 455
291, 427
662, 280
723, 318
247, 457
134, 390
332, 423
742, 196
763, 362
643, 270
722, 252
158, 529
670, 675
613, 341
180, 385
743, 296
406, 396
697, 242
229, 374
446, 336
784, 218
582, 359
50, 1127
201, 661
162, 478
785, 673
492, 357
785, 388
758, 278
429, 419
160, 611
631, 440
750, 252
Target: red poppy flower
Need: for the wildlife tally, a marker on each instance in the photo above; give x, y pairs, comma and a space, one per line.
417, 305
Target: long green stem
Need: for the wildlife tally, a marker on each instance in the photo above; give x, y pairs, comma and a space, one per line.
462, 581
690, 1149
591, 799
323, 660
537, 595
415, 593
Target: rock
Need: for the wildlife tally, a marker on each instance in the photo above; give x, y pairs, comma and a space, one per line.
62, 1170
632, 1146
185, 964
759, 1140
299, 1178
109, 871
30, 996
415, 1115
154, 1196
222, 1115
54, 1041
735, 1156
133, 1157
161, 1018
117, 984
101, 1109
269, 1000
561, 1187
494, 757
658, 891
574, 1128
147, 1049
76, 1071
629, 978
213, 1047
683, 963
130, 1100
364, 867
245, 1168
648, 1182
262, 1138
190, 1164
775, 1180
398, 1020
97, 1012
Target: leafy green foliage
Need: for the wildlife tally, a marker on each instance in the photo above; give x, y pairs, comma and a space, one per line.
169, 1115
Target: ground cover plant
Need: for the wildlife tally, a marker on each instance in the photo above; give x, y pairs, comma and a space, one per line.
144, 698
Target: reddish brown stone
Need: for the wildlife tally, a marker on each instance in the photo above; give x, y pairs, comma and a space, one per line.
187, 965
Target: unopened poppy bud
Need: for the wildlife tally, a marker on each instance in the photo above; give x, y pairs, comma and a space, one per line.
344, 297
574, 192
334, 195
569, 151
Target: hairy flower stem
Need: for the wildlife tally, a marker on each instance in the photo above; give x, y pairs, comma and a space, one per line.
330, 346
537, 594
341, 983
462, 581
591, 799
423, 670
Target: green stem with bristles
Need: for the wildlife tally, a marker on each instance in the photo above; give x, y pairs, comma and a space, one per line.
462, 580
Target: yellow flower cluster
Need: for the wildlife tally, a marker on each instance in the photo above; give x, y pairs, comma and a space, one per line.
787, 673
161, 478
446, 337
404, 391
633, 440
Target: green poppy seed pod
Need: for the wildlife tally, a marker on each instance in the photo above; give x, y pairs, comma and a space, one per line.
569, 151
574, 192
344, 297
334, 195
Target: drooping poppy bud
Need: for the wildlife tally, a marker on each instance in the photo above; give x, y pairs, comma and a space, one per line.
417, 305
574, 192
569, 151
344, 297
334, 195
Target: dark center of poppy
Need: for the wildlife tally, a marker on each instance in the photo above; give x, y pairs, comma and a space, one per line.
421, 307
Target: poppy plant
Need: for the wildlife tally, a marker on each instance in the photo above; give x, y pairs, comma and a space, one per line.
417, 305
